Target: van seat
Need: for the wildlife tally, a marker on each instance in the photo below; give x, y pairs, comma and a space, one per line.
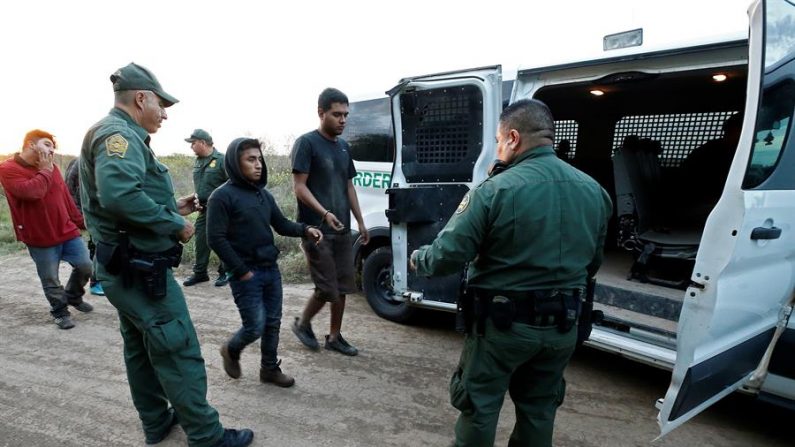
641, 213
636, 172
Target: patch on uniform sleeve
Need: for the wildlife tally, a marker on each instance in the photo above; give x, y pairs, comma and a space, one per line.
116, 145
463, 205
212, 164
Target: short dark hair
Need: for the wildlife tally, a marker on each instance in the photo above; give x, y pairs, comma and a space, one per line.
530, 117
251, 143
124, 96
328, 97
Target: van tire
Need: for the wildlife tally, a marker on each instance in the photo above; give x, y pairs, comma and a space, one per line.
377, 286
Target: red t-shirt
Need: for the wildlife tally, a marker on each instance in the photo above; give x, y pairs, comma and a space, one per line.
42, 210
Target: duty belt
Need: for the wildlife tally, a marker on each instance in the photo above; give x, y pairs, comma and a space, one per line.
548, 307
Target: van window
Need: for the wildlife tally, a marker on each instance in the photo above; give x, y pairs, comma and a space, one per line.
678, 133
439, 141
771, 163
770, 135
369, 131
566, 138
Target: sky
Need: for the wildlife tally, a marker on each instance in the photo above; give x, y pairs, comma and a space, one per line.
255, 68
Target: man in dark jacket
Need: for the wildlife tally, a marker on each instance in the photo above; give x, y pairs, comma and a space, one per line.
239, 218
72, 179
208, 174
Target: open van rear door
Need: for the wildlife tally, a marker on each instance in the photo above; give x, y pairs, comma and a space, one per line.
444, 139
744, 274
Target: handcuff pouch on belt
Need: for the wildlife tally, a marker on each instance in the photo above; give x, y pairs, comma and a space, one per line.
114, 257
502, 311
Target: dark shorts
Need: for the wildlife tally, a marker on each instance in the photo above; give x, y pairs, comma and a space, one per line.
331, 265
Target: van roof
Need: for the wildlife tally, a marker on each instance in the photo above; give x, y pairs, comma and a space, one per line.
732, 40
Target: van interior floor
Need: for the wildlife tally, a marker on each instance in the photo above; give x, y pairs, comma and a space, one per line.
631, 303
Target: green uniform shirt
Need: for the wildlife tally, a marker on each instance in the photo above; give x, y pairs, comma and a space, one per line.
125, 187
541, 224
208, 174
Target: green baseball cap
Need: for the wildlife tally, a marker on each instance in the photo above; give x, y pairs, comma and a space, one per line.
200, 134
136, 77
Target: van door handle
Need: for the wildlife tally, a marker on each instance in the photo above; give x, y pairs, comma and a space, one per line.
762, 233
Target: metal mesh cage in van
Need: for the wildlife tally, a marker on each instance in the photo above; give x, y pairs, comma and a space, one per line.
442, 133
566, 131
677, 133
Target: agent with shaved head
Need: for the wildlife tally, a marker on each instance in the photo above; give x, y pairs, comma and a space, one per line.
534, 232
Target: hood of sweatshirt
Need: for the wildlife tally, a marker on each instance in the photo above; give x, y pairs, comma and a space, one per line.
232, 165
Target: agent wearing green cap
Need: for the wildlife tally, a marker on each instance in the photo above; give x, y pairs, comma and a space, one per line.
131, 213
208, 174
534, 233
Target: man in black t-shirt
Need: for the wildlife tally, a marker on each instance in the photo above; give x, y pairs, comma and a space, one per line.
322, 173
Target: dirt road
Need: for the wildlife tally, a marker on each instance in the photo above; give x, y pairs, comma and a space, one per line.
68, 388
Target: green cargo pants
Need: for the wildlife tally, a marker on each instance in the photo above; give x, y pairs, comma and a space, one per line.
202, 248
163, 360
528, 362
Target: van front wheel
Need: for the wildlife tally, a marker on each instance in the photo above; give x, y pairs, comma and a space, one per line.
377, 286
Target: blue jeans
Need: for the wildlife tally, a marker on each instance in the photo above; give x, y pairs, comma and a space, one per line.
259, 301
48, 259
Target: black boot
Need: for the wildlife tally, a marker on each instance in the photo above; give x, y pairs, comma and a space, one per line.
195, 279
236, 438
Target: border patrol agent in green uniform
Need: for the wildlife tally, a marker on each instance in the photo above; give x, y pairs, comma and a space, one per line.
534, 234
131, 213
208, 174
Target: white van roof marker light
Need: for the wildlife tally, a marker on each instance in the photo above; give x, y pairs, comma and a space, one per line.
625, 39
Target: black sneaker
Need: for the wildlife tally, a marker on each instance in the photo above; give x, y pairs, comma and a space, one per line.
305, 335
341, 346
222, 280
159, 437
231, 364
64, 322
236, 438
195, 279
83, 307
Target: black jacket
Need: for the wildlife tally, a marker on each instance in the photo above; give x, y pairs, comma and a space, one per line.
240, 215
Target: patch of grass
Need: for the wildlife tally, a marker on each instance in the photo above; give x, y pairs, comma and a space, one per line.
8, 240
280, 184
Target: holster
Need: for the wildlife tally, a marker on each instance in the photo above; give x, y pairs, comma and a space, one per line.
151, 269
465, 309
135, 266
588, 316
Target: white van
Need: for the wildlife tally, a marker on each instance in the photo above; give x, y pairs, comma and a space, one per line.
700, 266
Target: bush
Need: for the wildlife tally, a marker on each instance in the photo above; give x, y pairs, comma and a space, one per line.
280, 184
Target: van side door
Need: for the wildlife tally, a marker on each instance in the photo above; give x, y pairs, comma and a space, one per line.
444, 139
744, 274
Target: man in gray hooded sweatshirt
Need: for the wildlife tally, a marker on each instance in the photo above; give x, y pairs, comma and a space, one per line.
240, 214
